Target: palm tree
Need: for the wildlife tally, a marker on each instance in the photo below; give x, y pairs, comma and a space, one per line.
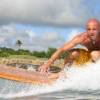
19, 43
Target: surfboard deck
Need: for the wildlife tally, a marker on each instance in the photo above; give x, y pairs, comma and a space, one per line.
22, 75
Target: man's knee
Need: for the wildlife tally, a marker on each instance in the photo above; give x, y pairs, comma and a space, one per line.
75, 54
95, 55
71, 57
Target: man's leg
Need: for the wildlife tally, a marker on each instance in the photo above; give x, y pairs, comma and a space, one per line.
72, 56
95, 55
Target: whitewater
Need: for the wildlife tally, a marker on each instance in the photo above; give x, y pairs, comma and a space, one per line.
78, 81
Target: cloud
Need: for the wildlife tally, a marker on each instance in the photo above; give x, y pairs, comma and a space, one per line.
48, 12
9, 34
57, 13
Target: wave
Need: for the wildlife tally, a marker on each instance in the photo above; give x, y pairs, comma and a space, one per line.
78, 78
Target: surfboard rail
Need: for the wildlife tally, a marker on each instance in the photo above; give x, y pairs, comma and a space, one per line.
22, 75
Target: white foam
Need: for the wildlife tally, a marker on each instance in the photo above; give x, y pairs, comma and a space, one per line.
86, 77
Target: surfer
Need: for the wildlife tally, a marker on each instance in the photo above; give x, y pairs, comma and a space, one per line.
89, 39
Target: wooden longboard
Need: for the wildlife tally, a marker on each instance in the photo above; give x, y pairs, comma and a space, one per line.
22, 75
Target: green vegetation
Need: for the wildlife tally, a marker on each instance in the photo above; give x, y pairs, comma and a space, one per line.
8, 52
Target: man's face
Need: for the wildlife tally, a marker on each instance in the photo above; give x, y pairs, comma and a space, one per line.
93, 30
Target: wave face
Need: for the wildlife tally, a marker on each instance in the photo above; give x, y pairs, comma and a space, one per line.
82, 78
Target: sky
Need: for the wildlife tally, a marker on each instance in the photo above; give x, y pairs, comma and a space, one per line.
40, 24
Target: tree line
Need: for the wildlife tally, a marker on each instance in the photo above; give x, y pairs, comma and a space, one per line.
6, 52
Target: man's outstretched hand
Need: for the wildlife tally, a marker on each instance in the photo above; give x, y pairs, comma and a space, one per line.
43, 68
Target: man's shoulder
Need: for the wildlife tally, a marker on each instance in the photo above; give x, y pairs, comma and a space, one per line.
82, 35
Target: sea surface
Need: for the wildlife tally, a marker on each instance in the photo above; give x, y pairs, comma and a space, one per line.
77, 83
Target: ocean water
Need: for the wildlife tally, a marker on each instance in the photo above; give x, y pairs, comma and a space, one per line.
80, 83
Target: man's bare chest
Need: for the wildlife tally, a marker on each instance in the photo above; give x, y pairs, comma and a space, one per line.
91, 44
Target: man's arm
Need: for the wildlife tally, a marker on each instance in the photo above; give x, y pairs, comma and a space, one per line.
76, 40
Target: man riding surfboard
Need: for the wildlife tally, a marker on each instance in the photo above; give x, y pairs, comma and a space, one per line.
90, 39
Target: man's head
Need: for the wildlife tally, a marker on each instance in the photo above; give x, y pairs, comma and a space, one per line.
93, 28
